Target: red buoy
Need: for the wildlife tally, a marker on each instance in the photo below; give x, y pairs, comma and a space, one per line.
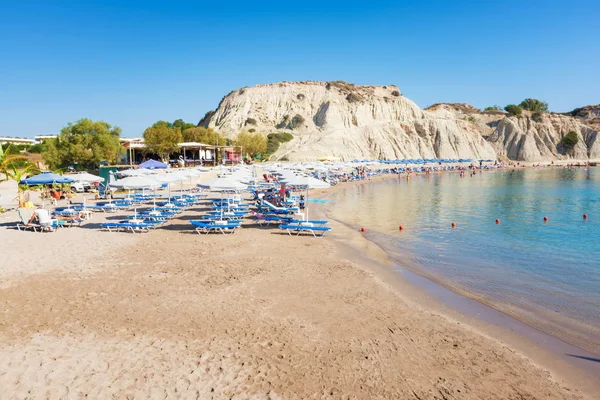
497, 220
362, 229
584, 216
400, 228
545, 219
454, 224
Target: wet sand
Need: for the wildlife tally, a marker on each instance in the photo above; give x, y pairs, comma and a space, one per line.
257, 314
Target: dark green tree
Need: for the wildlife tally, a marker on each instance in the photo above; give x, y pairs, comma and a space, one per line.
179, 123
203, 135
570, 140
163, 139
85, 144
534, 105
513, 109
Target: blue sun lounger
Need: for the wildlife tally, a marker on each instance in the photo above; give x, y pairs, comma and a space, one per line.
280, 210
312, 222
224, 227
297, 229
126, 226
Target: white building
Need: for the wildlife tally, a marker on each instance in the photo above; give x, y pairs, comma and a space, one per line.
13, 140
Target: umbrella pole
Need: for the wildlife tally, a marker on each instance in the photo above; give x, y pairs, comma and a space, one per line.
306, 212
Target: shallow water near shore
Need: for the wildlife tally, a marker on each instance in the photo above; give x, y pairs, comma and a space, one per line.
546, 274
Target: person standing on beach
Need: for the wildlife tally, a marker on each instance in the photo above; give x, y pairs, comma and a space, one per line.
282, 192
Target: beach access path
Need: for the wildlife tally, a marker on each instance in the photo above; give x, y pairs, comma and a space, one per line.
257, 314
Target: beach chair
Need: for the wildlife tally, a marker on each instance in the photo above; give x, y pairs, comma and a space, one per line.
104, 193
27, 220
224, 227
68, 217
310, 222
267, 219
297, 229
129, 226
280, 210
47, 223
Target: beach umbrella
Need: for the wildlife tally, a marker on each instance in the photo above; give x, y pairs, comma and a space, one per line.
85, 177
307, 182
224, 184
153, 164
46, 178
136, 183
134, 172
168, 179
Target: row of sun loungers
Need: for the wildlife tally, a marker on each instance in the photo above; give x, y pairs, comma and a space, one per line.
225, 216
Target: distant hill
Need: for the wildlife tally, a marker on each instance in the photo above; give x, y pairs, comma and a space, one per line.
346, 121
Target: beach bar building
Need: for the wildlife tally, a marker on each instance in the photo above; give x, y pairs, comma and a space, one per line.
193, 153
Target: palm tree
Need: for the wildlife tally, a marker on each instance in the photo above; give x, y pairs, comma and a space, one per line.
10, 161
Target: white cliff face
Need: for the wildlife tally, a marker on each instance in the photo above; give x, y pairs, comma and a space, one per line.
349, 122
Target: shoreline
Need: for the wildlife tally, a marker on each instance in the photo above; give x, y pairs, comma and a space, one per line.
453, 301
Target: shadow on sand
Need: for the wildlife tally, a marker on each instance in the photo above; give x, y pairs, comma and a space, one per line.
597, 360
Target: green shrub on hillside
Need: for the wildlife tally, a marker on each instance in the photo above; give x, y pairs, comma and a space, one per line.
275, 139
250, 121
534, 105
570, 140
395, 93
495, 107
513, 109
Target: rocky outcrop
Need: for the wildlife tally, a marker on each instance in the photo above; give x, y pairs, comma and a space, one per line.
345, 121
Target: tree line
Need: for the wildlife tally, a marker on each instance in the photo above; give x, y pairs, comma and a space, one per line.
85, 144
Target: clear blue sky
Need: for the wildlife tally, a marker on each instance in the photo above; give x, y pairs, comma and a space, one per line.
132, 62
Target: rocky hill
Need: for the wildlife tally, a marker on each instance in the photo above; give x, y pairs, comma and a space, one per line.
346, 121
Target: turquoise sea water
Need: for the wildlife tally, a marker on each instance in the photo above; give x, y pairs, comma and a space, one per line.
545, 273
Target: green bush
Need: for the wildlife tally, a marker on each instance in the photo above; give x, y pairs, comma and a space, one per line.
300, 96
251, 130
495, 107
250, 121
37, 148
513, 109
570, 140
534, 105
275, 139
395, 93
472, 119
537, 116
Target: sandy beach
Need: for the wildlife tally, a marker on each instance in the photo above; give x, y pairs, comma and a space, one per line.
257, 314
